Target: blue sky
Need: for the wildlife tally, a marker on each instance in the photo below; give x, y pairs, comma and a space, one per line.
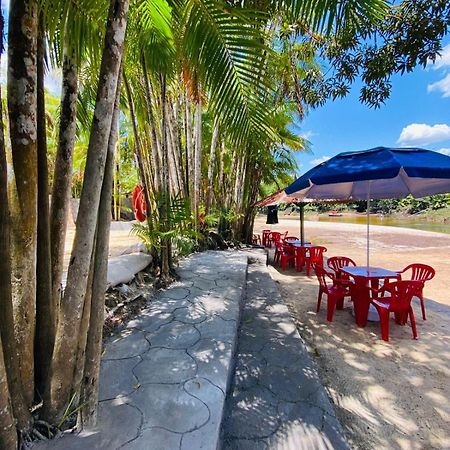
416, 115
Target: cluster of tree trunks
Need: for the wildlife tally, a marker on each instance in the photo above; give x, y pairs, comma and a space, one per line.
50, 342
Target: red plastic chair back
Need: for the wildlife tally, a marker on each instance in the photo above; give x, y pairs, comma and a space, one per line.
337, 262
402, 293
420, 272
288, 249
316, 255
322, 276
275, 236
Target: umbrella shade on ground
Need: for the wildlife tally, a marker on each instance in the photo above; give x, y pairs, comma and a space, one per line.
377, 173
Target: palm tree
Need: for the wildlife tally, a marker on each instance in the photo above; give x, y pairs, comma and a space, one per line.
202, 55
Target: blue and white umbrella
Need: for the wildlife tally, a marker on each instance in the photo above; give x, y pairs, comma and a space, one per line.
375, 174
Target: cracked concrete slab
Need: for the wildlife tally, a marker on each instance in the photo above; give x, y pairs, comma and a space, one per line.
163, 365
277, 400
127, 344
169, 368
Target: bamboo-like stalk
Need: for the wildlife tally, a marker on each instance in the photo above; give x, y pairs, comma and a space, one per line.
22, 104
90, 382
62, 178
64, 358
212, 164
8, 342
46, 306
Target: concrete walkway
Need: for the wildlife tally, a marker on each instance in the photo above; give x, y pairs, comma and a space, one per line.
164, 378
277, 401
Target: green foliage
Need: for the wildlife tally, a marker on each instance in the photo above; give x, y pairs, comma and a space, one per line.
409, 35
179, 227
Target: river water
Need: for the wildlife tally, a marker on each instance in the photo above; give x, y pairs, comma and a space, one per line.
406, 222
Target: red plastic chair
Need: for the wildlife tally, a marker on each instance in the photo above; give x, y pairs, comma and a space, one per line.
278, 252
315, 257
422, 273
274, 237
287, 255
335, 293
256, 239
398, 302
265, 237
336, 263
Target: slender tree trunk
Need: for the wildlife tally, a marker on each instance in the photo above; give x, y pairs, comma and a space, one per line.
22, 116
62, 180
90, 383
11, 360
155, 142
197, 159
212, 164
165, 197
83, 334
173, 182
137, 143
8, 434
220, 187
176, 155
45, 304
189, 151
64, 357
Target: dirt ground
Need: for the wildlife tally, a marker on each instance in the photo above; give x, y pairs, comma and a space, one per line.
120, 240
391, 395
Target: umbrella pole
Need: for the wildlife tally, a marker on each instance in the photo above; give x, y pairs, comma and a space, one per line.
302, 223
368, 228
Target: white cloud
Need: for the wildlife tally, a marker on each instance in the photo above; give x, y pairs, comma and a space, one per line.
308, 135
423, 134
444, 151
320, 160
441, 86
443, 60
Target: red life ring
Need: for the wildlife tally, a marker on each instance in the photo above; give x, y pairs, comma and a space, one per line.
139, 205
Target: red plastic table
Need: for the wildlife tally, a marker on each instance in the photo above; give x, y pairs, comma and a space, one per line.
300, 251
365, 278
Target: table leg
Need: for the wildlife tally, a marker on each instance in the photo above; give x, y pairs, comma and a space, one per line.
361, 299
300, 256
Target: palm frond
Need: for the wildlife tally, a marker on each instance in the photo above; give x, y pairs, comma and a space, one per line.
225, 45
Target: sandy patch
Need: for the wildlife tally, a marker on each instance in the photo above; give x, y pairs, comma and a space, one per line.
387, 395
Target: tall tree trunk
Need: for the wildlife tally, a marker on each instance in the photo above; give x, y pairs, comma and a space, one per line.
90, 382
62, 180
45, 304
8, 434
11, 360
155, 141
137, 143
174, 186
212, 164
189, 150
220, 188
197, 159
67, 335
176, 154
165, 194
22, 116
